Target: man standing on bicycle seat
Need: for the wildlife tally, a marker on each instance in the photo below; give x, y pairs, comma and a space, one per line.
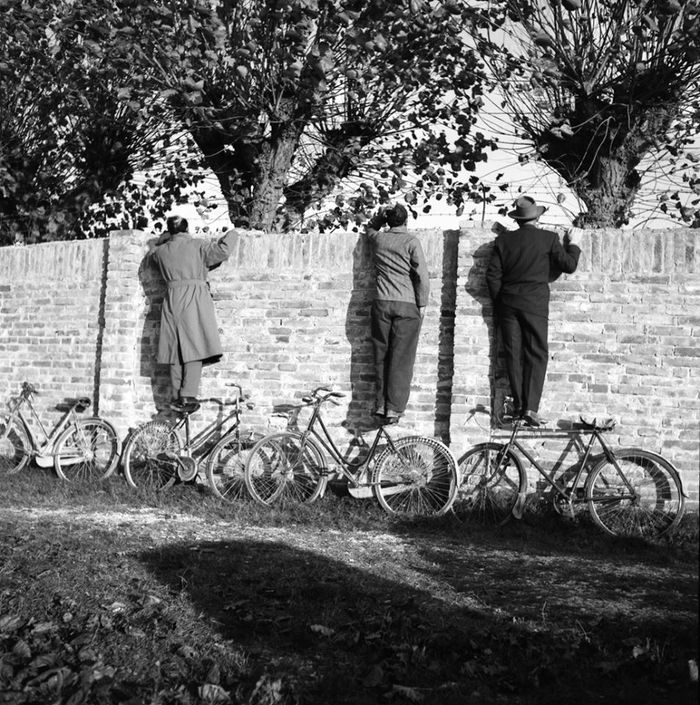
522, 264
189, 336
402, 289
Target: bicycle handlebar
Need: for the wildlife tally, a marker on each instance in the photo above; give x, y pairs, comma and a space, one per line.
29, 389
316, 396
241, 395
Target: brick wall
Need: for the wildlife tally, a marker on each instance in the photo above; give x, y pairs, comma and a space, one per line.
293, 313
624, 342
50, 322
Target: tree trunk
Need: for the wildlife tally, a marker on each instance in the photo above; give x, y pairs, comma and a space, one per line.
273, 162
233, 168
267, 194
608, 192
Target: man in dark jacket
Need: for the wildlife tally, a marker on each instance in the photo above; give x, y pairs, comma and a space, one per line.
397, 314
518, 278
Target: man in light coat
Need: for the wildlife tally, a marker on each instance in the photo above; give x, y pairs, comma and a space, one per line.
403, 287
189, 335
518, 276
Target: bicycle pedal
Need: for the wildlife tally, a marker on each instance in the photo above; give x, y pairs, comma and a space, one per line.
187, 469
361, 492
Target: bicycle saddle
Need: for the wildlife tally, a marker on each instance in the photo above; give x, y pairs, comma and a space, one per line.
80, 404
595, 425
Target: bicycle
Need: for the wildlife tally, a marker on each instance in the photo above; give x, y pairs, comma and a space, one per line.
628, 492
410, 475
78, 448
156, 455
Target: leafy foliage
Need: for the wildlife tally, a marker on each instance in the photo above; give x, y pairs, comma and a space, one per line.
286, 98
608, 94
70, 142
281, 99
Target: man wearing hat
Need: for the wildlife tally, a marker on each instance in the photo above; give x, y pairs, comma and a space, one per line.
518, 277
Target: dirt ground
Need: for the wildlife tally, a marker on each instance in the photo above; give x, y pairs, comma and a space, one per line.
505, 611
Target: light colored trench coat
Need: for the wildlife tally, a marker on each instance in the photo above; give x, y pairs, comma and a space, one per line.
188, 329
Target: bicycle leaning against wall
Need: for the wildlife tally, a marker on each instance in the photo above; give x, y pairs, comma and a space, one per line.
160, 452
410, 475
628, 491
79, 448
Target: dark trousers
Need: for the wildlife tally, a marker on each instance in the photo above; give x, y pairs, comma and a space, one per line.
526, 352
395, 327
185, 378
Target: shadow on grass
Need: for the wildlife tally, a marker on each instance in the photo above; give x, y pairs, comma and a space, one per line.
339, 633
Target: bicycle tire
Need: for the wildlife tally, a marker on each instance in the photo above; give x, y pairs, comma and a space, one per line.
285, 467
489, 485
14, 448
87, 450
226, 466
417, 476
656, 504
143, 469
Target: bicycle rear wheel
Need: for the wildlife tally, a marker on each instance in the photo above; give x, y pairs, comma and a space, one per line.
87, 450
641, 495
285, 467
146, 460
226, 466
492, 480
417, 476
14, 447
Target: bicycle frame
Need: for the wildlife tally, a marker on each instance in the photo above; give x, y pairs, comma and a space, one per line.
350, 471
193, 445
40, 450
575, 436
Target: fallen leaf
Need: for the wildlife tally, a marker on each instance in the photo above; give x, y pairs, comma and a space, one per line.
409, 693
323, 631
374, 677
212, 693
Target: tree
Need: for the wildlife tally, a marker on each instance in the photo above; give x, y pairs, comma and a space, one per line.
69, 141
285, 98
608, 93
282, 99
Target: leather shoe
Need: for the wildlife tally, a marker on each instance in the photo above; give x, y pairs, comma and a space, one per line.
532, 418
389, 418
185, 404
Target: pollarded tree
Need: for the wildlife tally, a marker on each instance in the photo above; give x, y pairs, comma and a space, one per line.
608, 94
285, 98
68, 136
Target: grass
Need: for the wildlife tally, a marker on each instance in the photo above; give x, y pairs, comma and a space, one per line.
108, 595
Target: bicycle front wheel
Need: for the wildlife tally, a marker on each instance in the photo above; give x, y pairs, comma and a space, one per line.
491, 482
285, 467
416, 476
226, 466
14, 447
640, 494
148, 459
87, 450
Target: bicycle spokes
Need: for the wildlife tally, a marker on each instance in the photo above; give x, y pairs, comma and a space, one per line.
285, 467
415, 476
492, 484
638, 494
